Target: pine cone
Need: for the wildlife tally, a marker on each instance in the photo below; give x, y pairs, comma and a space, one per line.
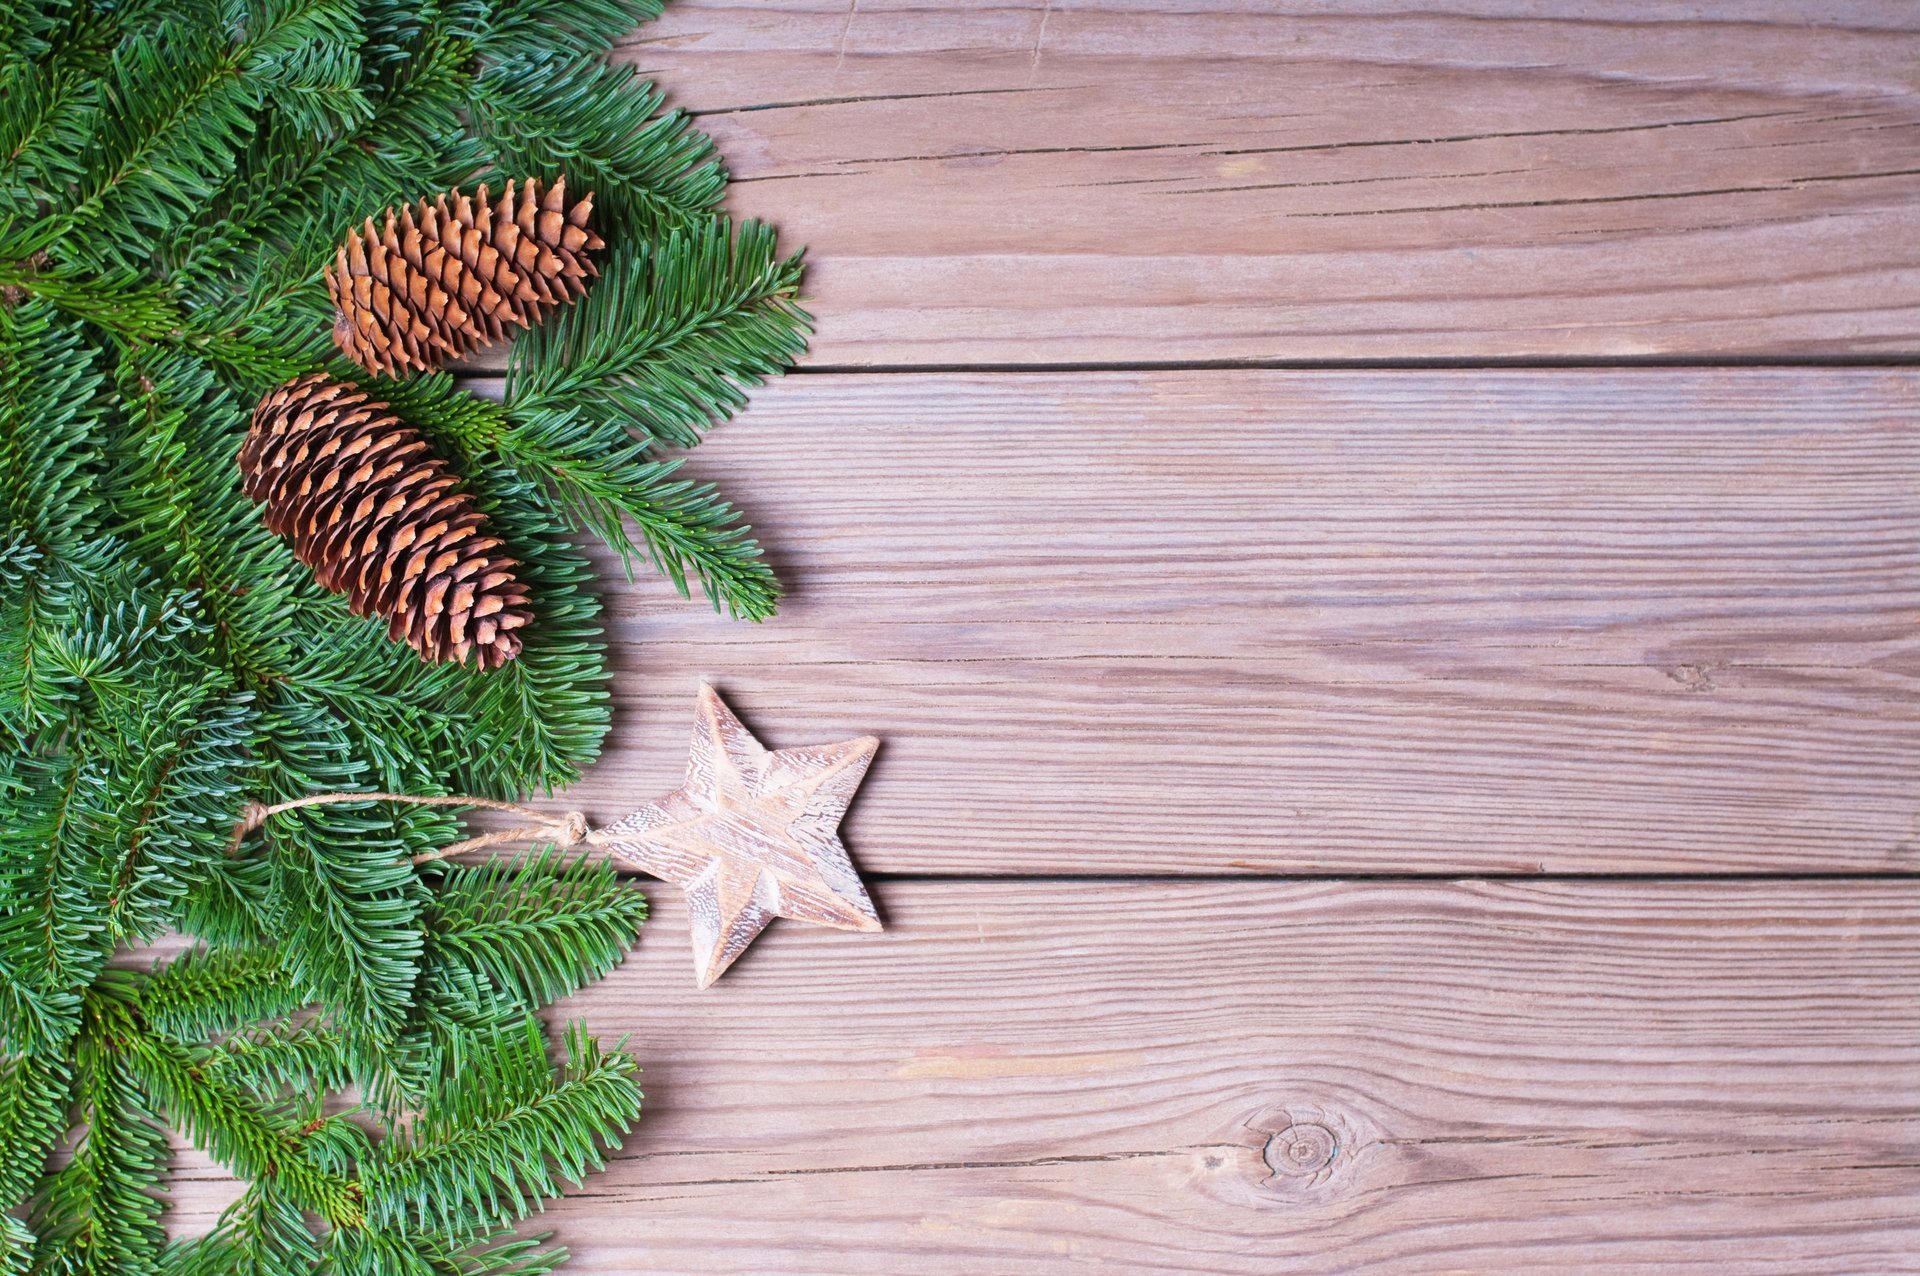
383, 521
442, 278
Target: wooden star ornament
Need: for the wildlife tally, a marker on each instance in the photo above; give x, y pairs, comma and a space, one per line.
752, 835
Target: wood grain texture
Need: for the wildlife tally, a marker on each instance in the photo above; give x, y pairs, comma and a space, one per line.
1031, 1078
1317, 622
1074, 181
1338, 623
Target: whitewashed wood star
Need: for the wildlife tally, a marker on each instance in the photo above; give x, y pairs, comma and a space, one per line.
752, 835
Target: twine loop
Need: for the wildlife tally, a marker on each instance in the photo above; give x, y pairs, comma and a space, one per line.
566, 831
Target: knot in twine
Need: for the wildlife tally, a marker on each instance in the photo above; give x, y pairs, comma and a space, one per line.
565, 831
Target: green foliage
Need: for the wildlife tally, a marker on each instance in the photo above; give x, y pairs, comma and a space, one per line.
100, 1212
215, 1046
212, 993
173, 179
662, 348
671, 334
532, 930
602, 126
584, 28
49, 427
496, 1133
33, 1111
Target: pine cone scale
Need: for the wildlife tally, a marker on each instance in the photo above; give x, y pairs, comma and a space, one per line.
380, 519
304, 507
350, 548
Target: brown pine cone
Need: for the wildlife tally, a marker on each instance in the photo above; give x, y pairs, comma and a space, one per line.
440, 278
383, 521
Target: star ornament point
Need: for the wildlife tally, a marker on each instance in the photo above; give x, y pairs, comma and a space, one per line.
752, 835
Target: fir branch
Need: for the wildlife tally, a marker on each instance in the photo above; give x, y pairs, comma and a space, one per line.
601, 126
116, 300
139, 313
185, 766
168, 124
252, 263
214, 991
253, 1140
347, 902
36, 1014
33, 695
230, 904
34, 1093
685, 528
49, 427
533, 928
581, 28
665, 343
264, 1233
63, 908
382, 1253
396, 32
507, 1255
304, 1059
24, 27
174, 489
39, 1011
99, 1215
44, 116
16, 1246
176, 107
20, 560
306, 60
488, 1150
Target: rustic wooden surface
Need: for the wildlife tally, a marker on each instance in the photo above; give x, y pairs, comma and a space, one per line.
1304, 622
1447, 670
1275, 1077
1048, 181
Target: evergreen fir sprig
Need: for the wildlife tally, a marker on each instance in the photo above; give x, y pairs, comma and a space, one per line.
584, 29
173, 178
602, 126
486, 1144
532, 929
602, 476
671, 335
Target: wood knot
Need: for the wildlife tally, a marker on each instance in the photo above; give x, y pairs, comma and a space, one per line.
1693, 677
1302, 1149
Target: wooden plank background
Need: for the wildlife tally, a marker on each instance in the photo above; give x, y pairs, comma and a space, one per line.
1372, 817
1270, 1077
1048, 181
1646, 620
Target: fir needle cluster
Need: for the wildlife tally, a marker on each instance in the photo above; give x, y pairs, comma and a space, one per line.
175, 176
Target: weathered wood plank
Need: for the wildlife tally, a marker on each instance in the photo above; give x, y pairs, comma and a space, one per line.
1060, 1078
1045, 181
1323, 622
